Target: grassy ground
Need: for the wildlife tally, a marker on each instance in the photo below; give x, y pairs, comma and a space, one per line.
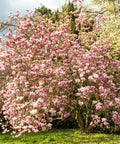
65, 136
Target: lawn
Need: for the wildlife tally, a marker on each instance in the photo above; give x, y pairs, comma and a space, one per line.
63, 136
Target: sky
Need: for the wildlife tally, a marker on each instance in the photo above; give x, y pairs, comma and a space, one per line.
7, 6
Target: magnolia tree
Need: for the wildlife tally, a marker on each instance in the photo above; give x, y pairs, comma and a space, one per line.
55, 74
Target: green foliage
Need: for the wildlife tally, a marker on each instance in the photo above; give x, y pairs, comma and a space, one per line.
43, 10
56, 16
70, 8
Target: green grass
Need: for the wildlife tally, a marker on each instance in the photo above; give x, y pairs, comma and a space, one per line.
63, 136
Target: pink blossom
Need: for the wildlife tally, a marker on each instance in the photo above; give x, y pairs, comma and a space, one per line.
98, 106
74, 0
105, 123
52, 110
114, 116
95, 75
104, 119
111, 103
94, 102
101, 89
74, 101
77, 80
43, 128
33, 112
93, 125
117, 100
80, 103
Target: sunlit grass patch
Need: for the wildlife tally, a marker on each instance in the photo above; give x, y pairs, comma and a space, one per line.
61, 136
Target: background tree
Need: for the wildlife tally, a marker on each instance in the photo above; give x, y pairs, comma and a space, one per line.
69, 7
43, 10
110, 9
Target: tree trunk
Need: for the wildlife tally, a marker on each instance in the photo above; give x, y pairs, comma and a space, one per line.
81, 123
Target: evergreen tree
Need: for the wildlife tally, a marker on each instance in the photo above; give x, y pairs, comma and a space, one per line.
43, 10
70, 8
